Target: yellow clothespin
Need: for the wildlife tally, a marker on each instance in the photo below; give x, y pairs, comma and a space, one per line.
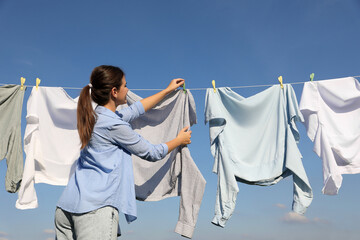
281, 81
213, 83
37, 83
22, 81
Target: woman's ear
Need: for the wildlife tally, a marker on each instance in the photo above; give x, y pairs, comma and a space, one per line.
114, 92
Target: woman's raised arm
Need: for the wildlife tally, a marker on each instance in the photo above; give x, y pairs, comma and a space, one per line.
151, 101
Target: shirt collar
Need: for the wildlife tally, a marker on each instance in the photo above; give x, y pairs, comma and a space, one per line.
107, 112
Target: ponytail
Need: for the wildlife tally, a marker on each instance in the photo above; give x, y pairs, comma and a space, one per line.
103, 78
86, 116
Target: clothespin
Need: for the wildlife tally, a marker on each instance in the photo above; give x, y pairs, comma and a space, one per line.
184, 88
37, 83
22, 81
213, 83
312, 76
281, 81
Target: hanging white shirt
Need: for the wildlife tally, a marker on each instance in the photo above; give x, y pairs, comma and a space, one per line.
331, 109
51, 142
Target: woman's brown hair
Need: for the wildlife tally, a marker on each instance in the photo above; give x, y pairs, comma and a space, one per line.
103, 78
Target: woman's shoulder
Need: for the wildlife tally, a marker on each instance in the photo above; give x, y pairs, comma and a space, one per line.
108, 119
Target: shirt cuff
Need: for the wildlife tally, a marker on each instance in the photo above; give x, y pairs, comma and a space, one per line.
165, 149
219, 221
184, 230
299, 208
12, 186
23, 206
139, 107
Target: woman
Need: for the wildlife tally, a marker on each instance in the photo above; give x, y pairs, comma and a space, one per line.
103, 182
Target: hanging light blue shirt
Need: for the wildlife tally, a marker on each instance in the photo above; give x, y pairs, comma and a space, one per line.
103, 175
253, 140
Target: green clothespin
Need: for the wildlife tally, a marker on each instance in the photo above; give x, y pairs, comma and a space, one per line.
312, 76
184, 88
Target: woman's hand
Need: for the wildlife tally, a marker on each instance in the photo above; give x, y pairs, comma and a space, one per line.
184, 136
174, 84
151, 101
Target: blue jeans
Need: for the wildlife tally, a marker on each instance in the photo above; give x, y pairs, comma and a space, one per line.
100, 224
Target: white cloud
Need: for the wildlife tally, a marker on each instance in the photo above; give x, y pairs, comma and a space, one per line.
49, 231
3, 233
2, 238
50, 239
279, 205
293, 217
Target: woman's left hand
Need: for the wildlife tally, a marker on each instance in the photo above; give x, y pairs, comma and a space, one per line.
151, 101
174, 84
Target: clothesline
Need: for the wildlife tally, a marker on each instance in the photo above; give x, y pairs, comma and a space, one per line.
192, 89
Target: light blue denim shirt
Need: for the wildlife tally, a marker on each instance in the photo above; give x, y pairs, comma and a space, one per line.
104, 171
254, 140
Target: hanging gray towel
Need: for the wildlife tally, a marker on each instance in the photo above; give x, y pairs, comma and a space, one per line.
11, 101
176, 174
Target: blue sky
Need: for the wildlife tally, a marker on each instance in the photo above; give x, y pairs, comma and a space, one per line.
235, 42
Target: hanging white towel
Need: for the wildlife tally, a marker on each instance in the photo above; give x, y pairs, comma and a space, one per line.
51, 142
331, 109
